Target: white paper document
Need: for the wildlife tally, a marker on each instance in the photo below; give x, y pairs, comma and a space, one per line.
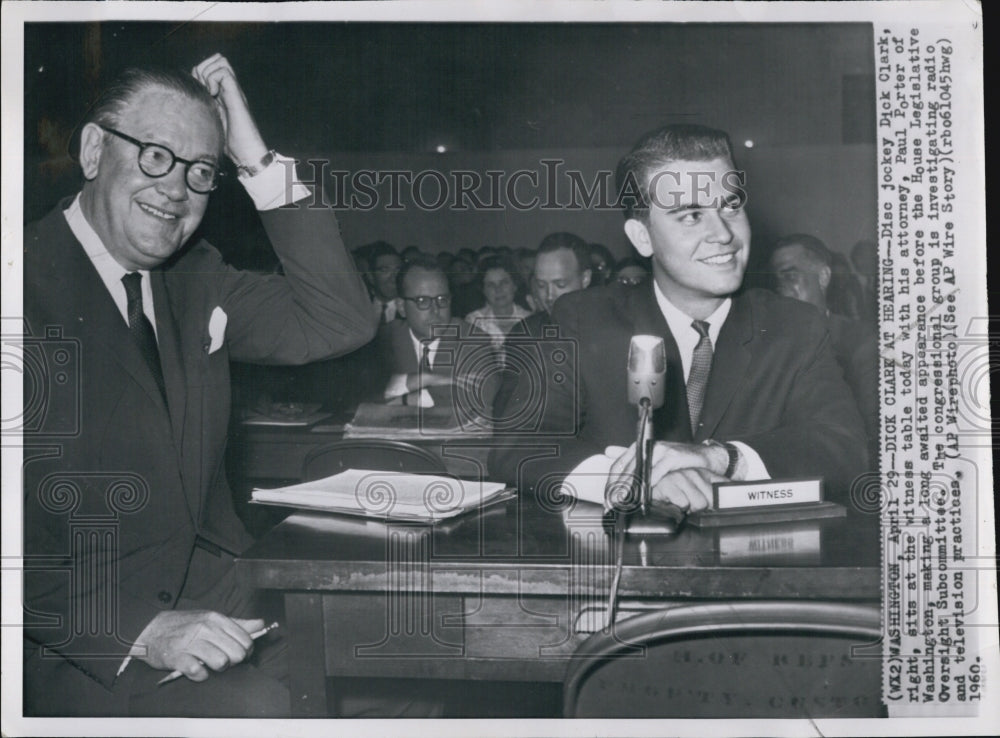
385, 495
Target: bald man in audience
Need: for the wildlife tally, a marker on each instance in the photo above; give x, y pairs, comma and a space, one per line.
562, 265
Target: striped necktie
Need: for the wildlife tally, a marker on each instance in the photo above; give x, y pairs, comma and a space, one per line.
701, 364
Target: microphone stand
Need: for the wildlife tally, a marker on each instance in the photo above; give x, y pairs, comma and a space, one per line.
640, 520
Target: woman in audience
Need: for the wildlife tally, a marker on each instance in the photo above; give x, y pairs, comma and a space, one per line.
498, 279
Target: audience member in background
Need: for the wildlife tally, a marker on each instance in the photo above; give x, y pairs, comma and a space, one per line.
485, 252
631, 271
361, 263
602, 265
411, 253
498, 282
562, 265
526, 263
465, 293
864, 258
802, 266
525, 260
422, 350
444, 260
384, 265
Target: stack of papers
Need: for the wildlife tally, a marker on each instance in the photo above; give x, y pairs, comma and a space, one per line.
387, 495
373, 420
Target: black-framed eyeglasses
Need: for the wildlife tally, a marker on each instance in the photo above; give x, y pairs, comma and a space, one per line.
423, 302
156, 160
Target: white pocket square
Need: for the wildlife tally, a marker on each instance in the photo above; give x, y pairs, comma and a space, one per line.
217, 329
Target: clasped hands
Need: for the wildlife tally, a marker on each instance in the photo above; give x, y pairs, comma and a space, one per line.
681, 473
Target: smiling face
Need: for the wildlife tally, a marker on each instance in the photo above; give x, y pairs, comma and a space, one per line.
697, 233
143, 220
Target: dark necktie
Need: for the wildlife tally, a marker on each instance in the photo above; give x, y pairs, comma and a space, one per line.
701, 364
425, 360
141, 330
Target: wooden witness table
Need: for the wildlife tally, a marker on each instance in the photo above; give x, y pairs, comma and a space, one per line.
509, 592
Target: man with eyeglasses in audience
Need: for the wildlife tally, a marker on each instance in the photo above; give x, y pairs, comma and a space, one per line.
422, 349
150, 322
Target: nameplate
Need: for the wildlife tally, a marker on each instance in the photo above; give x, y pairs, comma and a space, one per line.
791, 542
767, 493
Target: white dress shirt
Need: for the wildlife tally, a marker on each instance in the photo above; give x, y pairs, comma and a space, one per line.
397, 382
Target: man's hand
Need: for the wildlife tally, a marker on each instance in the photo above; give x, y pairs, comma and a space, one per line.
669, 457
190, 640
244, 144
689, 489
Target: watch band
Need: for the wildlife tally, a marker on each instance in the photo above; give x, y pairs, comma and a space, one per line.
734, 458
252, 170
732, 451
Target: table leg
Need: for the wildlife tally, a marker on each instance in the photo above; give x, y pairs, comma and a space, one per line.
307, 670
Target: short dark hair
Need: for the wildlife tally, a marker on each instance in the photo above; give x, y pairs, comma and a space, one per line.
380, 248
566, 240
423, 261
497, 261
111, 103
633, 261
680, 142
815, 249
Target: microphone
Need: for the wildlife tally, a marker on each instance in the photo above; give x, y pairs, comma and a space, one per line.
647, 371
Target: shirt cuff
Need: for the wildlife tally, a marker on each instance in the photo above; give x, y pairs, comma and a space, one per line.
276, 185
755, 469
587, 481
396, 386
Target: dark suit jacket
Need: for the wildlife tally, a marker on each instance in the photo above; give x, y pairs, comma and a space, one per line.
118, 487
774, 385
461, 350
855, 344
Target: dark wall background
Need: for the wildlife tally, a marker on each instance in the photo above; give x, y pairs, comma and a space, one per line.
499, 96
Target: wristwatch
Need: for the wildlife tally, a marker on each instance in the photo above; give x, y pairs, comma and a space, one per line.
732, 451
252, 170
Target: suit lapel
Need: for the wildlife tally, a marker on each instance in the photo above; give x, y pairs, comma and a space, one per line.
729, 364
671, 421
96, 310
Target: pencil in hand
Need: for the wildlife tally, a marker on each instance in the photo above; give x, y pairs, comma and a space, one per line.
176, 674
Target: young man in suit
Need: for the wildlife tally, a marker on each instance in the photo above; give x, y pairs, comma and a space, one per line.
129, 529
753, 390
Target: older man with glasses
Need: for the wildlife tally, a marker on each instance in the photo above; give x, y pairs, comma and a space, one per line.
137, 409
